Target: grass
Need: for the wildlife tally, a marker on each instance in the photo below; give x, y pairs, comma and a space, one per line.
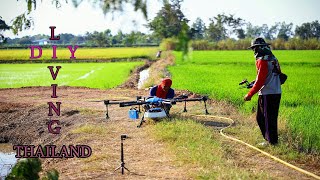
93, 134
90, 129
93, 75
197, 148
63, 53
221, 71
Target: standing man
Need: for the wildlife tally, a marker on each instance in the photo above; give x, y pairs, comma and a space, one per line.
158, 54
268, 86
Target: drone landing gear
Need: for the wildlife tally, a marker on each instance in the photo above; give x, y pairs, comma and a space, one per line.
204, 99
141, 122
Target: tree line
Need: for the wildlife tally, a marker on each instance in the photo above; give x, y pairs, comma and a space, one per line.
228, 31
170, 25
90, 39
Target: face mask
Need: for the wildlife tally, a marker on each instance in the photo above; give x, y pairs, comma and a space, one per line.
260, 51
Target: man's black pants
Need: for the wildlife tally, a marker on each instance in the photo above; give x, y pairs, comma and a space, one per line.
267, 116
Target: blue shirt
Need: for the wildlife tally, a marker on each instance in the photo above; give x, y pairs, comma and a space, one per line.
170, 93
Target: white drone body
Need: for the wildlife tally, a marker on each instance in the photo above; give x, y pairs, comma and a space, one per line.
154, 113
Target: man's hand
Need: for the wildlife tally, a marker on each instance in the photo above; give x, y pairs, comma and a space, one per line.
247, 98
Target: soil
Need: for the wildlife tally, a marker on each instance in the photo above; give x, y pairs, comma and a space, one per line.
134, 77
24, 120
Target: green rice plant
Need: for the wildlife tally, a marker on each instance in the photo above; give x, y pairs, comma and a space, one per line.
92, 75
304, 124
218, 73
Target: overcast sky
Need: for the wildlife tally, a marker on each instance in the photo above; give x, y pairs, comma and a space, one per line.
85, 18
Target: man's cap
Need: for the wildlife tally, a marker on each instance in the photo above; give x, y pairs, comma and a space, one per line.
258, 42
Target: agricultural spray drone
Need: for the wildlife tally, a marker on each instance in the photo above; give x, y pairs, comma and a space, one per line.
247, 84
153, 107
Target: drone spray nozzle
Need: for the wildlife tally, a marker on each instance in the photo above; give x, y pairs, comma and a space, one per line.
138, 98
106, 102
205, 98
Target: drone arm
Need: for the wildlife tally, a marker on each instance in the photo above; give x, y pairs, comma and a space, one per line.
131, 103
184, 99
204, 98
107, 102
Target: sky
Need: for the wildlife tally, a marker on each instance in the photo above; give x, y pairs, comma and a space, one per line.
88, 18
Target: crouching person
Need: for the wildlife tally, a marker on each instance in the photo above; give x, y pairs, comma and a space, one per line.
164, 91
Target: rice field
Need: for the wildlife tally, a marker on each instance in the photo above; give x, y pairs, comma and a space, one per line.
218, 73
63, 53
93, 75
